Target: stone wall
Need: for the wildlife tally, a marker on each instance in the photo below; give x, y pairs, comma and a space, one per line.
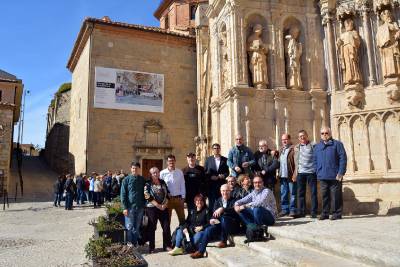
6, 131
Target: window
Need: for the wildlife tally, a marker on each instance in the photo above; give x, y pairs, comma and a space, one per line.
193, 9
166, 22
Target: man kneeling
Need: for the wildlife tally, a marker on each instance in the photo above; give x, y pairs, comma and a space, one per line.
258, 207
224, 223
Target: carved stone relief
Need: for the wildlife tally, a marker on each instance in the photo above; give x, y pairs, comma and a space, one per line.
224, 61
294, 51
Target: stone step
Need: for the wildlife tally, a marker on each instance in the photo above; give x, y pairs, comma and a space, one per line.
237, 257
285, 252
357, 239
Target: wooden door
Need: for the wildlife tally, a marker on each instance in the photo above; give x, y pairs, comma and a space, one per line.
147, 164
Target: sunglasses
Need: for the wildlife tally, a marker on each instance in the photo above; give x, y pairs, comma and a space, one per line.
324, 133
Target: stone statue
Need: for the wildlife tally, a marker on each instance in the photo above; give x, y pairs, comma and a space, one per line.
294, 51
387, 38
258, 58
224, 61
348, 45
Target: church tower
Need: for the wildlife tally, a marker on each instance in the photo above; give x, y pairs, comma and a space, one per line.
177, 15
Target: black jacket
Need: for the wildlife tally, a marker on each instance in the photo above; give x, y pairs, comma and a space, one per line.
195, 181
58, 187
197, 218
229, 210
268, 163
211, 170
70, 186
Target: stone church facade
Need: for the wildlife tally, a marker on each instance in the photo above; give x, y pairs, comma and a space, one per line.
259, 68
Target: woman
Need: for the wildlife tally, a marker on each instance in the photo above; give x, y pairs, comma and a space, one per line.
97, 188
156, 194
245, 186
197, 220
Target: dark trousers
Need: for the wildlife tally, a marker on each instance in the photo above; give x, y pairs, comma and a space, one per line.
259, 216
213, 195
69, 197
96, 199
154, 214
302, 180
91, 193
331, 197
57, 198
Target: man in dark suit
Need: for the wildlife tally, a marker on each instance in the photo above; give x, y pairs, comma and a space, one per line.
216, 172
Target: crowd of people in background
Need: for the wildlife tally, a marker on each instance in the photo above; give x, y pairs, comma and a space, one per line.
227, 196
91, 189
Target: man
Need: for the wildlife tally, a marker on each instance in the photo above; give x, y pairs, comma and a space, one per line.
132, 200
305, 174
107, 181
175, 181
235, 188
240, 158
58, 190
217, 170
194, 180
330, 162
266, 164
80, 187
70, 189
224, 222
258, 207
288, 184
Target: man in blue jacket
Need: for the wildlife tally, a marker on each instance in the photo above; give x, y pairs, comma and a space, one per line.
240, 158
330, 162
132, 200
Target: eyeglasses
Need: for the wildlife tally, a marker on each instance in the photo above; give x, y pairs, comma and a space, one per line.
239, 139
325, 133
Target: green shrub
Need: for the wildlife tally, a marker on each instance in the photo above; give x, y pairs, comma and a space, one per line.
105, 224
97, 248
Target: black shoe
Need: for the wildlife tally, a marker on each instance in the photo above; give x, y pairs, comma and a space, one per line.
313, 216
301, 215
294, 215
283, 214
336, 217
323, 217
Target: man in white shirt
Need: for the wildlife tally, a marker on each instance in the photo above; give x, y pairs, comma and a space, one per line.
175, 181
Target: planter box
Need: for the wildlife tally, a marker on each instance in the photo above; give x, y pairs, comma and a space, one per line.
137, 255
117, 236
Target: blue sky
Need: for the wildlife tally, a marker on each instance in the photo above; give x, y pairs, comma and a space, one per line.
37, 38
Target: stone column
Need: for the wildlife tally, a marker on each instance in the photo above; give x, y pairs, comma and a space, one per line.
327, 22
364, 9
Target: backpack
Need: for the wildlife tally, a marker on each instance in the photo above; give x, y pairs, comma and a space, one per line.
254, 233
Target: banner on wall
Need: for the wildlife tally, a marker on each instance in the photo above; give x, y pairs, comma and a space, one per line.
130, 90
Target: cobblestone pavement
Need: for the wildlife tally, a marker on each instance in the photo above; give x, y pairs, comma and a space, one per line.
37, 234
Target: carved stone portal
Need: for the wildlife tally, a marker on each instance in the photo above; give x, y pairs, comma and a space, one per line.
258, 51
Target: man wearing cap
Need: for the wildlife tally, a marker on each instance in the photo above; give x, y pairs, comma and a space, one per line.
194, 180
175, 181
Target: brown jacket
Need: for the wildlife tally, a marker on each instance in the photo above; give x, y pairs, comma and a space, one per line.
291, 164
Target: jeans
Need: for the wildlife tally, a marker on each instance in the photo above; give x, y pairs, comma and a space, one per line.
302, 180
331, 193
288, 195
69, 198
91, 193
259, 216
57, 198
194, 239
79, 197
132, 224
96, 199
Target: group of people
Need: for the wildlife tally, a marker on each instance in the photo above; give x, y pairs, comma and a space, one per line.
239, 191
95, 189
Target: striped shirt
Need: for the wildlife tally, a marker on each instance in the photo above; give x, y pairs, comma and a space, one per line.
260, 198
306, 158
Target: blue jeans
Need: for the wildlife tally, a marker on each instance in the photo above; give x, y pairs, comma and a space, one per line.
132, 224
259, 216
288, 196
302, 180
57, 198
69, 198
79, 197
194, 239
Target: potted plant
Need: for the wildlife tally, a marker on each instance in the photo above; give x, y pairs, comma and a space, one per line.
115, 212
104, 227
104, 253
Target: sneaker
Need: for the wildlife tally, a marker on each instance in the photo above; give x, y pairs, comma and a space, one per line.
230, 241
176, 251
323, 217
336, 217
129, 244
313, 216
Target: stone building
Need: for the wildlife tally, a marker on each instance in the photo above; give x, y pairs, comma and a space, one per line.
110, 138
259, 68
10, 103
